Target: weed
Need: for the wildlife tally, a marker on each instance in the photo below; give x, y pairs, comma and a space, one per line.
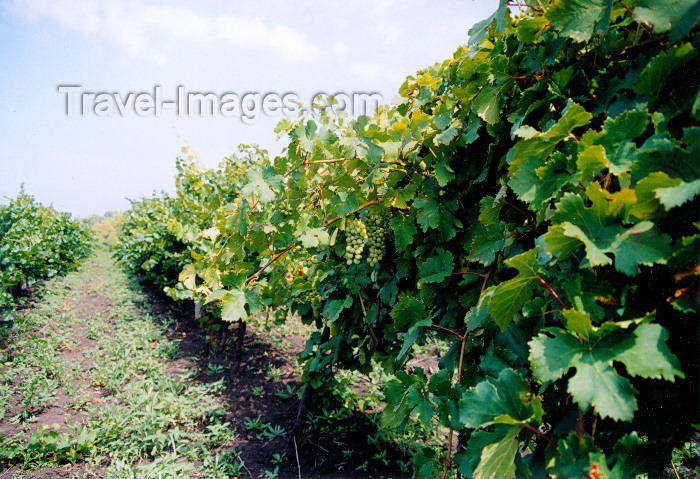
272, 474
289, 392
215, 368
273, 374
257, 391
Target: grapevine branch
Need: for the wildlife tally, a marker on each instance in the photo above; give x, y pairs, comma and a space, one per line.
539, 433
440, 328
549, 288
276, 256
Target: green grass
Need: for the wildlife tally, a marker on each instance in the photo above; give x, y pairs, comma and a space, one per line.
141, 422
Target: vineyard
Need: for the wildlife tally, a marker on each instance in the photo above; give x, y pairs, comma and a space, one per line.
530, 206
36, 243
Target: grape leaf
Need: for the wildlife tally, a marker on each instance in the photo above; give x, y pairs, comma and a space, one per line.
436, 268
643, 243
487, 103
405, 394
658, 77
590, 160
443, 173
678, 17
211, 234
618, 139
498, 459
313, 237
477, 33
484, 249
541, 145
446, 136
580, 19
510, 296
490, 454
672, 196
407, 310
646, 353
538, 180
262, 183
233, 306
404, 228
529, 29
648, 205
558, 244
334, 307
597, 227
505, 401
596, 383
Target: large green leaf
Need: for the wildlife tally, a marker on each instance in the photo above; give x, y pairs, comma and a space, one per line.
600, 229
498, 459
642, 244
407, 311
233, 306
263, 183
404, 228
659, 76
505, 401
436, 268
596, 383
580, 19
678, 16
510, 296
491, 454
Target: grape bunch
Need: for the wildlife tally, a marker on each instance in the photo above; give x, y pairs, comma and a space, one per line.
356, 235
377, 223
286, 208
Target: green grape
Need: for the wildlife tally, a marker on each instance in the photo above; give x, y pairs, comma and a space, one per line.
286, 208
377, 222
356, 234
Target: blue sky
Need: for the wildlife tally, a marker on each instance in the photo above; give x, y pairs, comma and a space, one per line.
89, 165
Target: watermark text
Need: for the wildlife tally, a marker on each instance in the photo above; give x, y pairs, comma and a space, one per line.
248, 107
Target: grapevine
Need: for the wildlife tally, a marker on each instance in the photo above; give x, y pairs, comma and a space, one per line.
36, 243
543, 189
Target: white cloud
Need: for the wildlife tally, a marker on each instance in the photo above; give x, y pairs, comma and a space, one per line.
150, 29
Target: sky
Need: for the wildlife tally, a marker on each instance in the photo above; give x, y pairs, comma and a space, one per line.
89, 155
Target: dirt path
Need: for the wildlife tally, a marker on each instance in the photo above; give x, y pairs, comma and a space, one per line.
96, 380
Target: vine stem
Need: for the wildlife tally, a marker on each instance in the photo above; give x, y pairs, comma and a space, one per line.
440, 328
275, 257
553, 293
579, 425
675, 470
459, 370
539, 433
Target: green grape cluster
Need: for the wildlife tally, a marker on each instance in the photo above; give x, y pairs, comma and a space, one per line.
356, 235
377, 223
286, 208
